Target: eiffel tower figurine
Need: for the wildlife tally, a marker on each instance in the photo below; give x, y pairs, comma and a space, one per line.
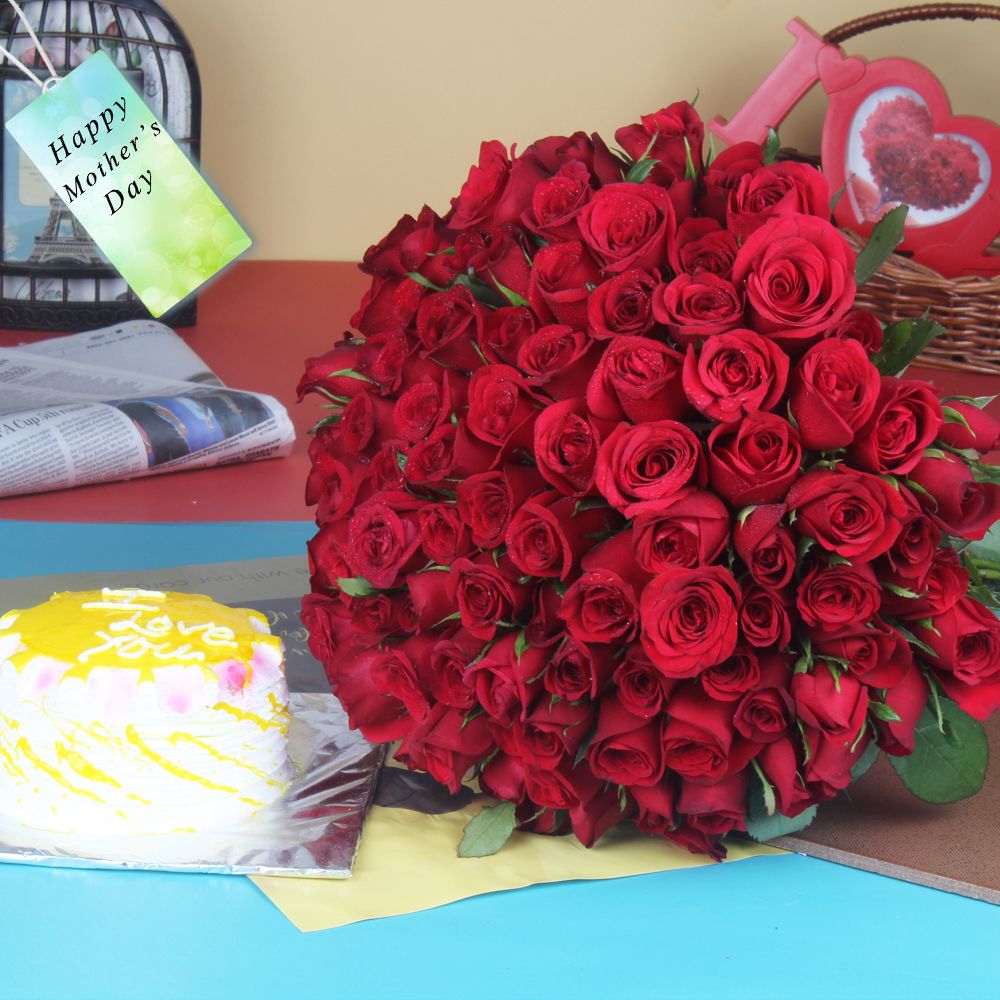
63, 239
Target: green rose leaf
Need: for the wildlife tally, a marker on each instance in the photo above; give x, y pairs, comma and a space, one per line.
949, 766
865, 761
488, 831
763, 827
903, 342
772, 145
885, 237
356, 586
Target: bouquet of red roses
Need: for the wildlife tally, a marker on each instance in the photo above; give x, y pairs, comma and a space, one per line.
625, 510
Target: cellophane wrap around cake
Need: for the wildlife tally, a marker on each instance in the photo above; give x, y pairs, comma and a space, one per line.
623, 507
135, 711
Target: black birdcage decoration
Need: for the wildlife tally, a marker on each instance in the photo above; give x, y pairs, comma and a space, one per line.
52, 275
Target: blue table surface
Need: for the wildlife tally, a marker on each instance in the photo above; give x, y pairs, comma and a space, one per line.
770, 928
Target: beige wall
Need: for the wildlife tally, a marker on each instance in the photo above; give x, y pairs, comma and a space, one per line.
324, 121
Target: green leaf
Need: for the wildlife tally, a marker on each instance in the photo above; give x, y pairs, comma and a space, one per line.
511, 296
763, 827
772, 144
426, 282
901, 591
770, 803
690, 173
742, 516
980, 402
952, 416
640, 170
949, 766
356, 586
903, 342
882, 711
488, 831
520, 644
914, 641
885, 237
351, 373
865, 761
453, 617
837, 195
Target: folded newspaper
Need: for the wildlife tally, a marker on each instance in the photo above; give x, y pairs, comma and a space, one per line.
122, 402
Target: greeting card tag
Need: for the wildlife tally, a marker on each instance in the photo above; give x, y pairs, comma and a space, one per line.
130, 185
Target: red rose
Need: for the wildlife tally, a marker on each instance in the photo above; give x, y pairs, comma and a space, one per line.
945, 581
862, 326
597, 812
765, 713
912, 553
839, 597
486, 594
327, 620
364, 417
481, 192
553, 732
431, 461
729, 680
828, 769
567, 439
399, 672
797, 274
506, 684
832, 393
376, 617
381, 717
449, 659
425, 405
777, 189
836, 704
628, 226
689, 528
781, 763
766, 546
642, 689
689, 619
754, 461
626, 750
637, 379
699, 741
907, 698
601, 606
558, 360
333, 482
526, 173
383, 538
448, 325
953, 500
694, 307
735, 374
622, 305
556, 150
966, 639
443, 535
980, 432
487, 500
504, 330
446, 745
556, 202
853, 514
578, 670
764, 618
671, 136
648, 462
875, 652
560, 275
656, 806
703, 245
725, 173
501, 409
495, 254
906, 420
715, 809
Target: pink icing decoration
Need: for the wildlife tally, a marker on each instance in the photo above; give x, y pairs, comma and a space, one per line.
266, 663
180, 689
40, 676
112, 693
232, 675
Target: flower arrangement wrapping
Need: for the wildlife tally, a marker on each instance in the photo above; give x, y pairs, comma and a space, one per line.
624, 508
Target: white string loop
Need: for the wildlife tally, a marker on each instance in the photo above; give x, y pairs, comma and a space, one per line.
53, 77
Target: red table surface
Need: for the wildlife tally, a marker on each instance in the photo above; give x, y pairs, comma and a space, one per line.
256, 325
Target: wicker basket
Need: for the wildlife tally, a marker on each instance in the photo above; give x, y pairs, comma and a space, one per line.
968, 307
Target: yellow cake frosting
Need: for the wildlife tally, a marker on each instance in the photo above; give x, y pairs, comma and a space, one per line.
139, 711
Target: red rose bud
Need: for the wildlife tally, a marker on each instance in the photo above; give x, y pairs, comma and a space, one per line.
715, 809
622, 305
553, 732
399, 672
567, 439
557, 150
446, 745
365, 417
327, 558
699, 742
980, 432
642, 689
376, 617
449, 659
754, 461
906, 420
560, 788
656, 806
648, 462
486, 594
334, 481
558, 289
487, 500
724, 173
546, 537
448, 324
912, 553
670, 136
730, 679
579, 670
383, 538
876, 653
431, 594
797, 274
381, 717
853, 514
776, 190
425, 405
443, 535
953, 500
781, 763
764, 617
556, 202
907, 698
628, 226
544, 627
966, 639
765, 546
601, 607
558, 360
430, 462
828, 770
495, 254
694, 307
689, 619
637, 379
702, 245
835, 704
839, 597
862, 326
328, 622
626, 750
598, 813
501, 408
945, 581
503, 777
504, 330
832, 393
481, 192
506, 684
765, 713
690, 528
735, 374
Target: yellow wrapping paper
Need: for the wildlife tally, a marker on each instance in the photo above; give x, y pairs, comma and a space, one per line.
408, 862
